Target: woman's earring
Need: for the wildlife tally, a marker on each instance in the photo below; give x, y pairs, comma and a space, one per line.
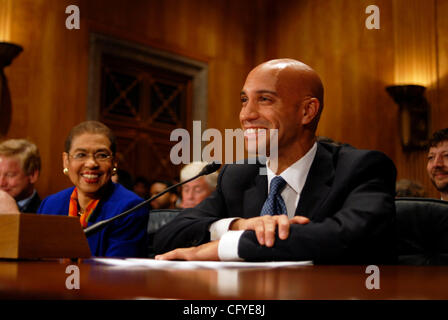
65, 171
114, 171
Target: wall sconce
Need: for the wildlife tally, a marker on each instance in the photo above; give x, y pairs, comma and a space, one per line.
8, 51
414, 115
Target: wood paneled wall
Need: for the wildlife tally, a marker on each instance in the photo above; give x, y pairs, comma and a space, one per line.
356, 64
48, 81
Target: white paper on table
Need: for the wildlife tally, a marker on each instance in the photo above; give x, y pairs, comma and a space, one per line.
167, 264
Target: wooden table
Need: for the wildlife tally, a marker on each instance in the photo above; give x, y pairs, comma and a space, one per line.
46, 279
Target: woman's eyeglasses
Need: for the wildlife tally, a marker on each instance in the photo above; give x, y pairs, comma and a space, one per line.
84, 156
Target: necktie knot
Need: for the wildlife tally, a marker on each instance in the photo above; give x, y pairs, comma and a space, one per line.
274, 204
277, 185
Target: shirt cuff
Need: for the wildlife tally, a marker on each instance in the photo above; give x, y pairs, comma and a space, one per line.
218, 228
228, 246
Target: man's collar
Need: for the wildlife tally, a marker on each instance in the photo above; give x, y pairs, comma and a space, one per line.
295, 175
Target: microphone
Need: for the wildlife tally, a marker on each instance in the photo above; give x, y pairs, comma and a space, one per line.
209, 168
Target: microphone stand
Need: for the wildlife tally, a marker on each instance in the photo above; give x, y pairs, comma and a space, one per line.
100, 225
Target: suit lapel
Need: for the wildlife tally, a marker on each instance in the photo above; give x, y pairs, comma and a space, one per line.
318, 183
255, 196
33, 205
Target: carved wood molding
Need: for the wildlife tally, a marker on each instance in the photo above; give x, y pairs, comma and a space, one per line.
101, 45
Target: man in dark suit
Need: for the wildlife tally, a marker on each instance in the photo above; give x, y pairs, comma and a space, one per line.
19, 171
319, 201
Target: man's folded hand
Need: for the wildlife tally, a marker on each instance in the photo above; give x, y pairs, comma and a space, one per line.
266, 226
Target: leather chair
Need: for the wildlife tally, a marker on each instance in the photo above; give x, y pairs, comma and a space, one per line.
422, 231
158, 218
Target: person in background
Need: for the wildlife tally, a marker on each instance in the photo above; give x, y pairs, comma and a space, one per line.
197, 190
89, 162
166, 201
437, 166
19, 171
408, 188
124, 178
141, 187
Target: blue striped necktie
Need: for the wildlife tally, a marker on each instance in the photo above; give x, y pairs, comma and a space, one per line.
274, 204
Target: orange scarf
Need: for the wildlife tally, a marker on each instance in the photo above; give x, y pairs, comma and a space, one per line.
74, 212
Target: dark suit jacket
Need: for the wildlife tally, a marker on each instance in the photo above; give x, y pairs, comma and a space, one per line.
33, 205
348, 196
126, 237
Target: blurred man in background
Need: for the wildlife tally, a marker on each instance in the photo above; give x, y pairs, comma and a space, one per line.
166, 201
141, 187
197, 190
19, 170
437, 165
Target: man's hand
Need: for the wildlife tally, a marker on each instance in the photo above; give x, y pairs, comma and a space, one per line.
7, 203
207, 251
265, 227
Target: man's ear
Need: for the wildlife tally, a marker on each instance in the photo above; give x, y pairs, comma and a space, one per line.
310, 111
34, 176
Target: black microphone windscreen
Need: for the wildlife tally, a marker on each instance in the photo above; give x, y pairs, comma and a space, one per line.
210, 168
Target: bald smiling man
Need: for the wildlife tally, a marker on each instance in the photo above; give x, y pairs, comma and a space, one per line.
332, 204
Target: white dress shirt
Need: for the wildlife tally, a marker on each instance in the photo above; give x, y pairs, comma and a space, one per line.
295, 177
